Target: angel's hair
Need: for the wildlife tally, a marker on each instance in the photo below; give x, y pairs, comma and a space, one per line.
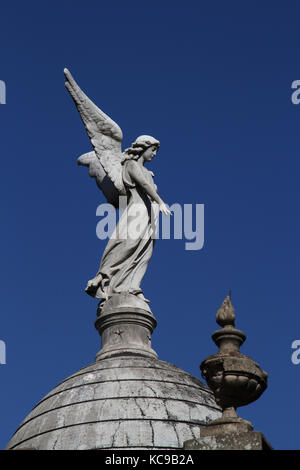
138, 147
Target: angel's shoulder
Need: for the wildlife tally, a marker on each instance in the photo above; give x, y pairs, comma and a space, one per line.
131, 163
130, 173
132, 166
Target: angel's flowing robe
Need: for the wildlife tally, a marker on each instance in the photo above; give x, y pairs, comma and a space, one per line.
126, 256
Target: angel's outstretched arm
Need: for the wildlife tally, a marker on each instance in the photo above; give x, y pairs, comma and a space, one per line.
137, 175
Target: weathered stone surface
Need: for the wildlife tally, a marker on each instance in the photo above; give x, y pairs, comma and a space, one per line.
122, 402
253, 440
236, 380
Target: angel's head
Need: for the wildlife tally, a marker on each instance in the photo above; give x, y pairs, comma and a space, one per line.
145, 145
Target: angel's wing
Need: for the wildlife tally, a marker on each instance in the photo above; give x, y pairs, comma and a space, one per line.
97, 171
106, 136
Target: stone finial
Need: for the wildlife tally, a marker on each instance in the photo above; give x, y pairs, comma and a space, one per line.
228, 338
225, 314
236, 380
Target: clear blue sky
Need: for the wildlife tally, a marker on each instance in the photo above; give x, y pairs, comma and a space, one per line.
210, 80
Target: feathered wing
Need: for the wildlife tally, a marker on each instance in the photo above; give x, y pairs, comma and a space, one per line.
103, 181
106, 137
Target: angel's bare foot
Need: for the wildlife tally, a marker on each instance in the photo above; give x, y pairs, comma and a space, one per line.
93, 283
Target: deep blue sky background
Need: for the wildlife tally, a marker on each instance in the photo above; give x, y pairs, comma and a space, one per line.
210, 80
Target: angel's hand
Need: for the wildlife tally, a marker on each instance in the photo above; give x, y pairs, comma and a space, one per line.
163, 208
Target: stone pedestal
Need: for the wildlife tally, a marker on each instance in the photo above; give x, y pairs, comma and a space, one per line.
125, 324
251, 440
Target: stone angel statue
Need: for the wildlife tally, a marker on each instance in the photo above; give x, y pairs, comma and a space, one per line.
125, 259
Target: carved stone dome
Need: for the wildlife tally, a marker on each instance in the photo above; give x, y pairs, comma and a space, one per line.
124, 402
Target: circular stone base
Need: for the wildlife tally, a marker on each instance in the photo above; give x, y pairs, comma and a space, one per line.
125, 324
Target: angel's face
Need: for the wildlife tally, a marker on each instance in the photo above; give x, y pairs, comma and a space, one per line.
150, 153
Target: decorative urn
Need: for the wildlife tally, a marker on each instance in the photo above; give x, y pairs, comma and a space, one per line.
235, 379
